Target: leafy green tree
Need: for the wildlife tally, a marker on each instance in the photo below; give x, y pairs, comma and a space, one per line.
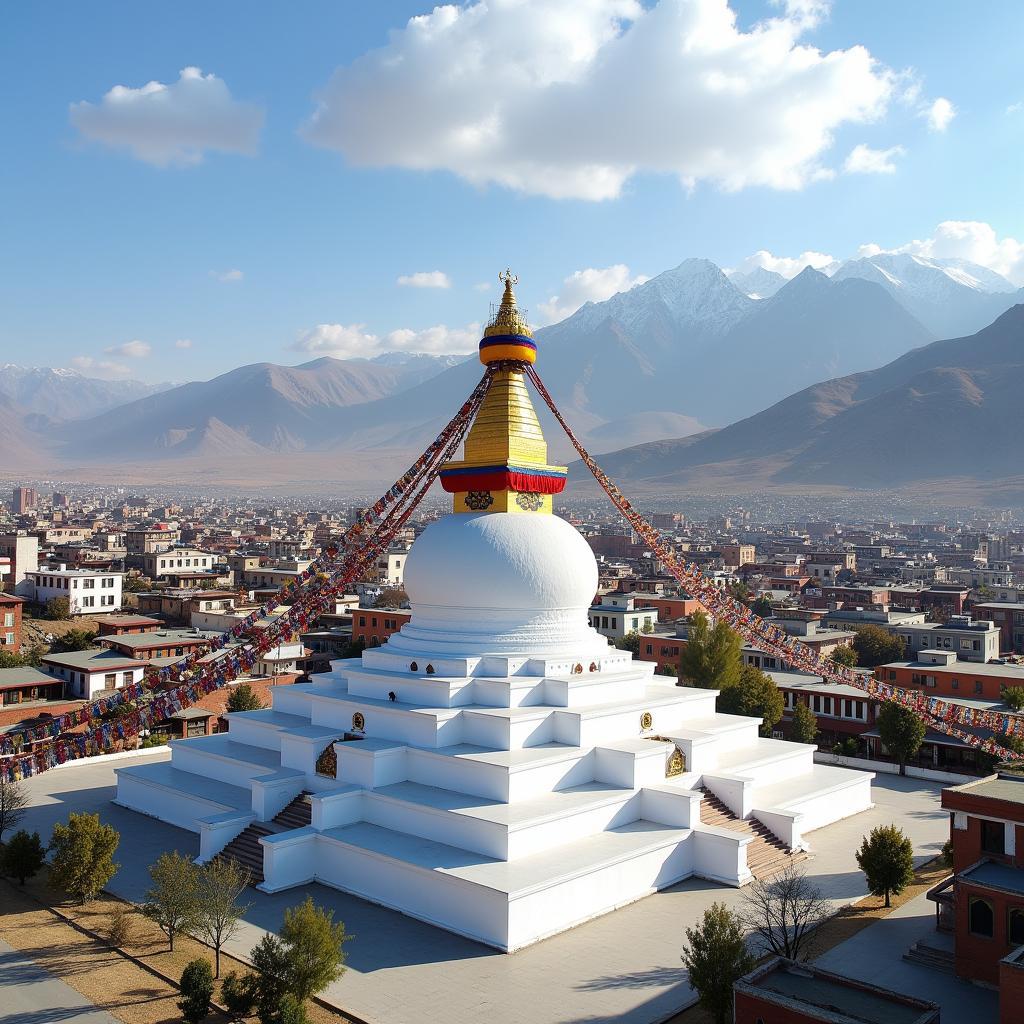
739, 591
58, 608
877, 646
392, 597
713, 655
220, 882
803, 724
13, 804
8, 659
172, 901
313, 949
716, 955
74, 640
23, 856
196, 991
83, 856
630, 642
755, 695
269, 982
886, 856
902, 732
1014, 697
762, 606
243, 698
237, 993
845, 655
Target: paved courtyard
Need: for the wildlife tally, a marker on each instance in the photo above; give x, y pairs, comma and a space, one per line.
622, 967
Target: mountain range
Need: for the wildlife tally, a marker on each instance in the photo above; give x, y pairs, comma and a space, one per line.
691, 349
949, 410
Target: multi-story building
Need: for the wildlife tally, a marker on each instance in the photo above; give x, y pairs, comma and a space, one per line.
982, 902
373, 626
737, 554
159, 643
23, 552
939, 673
10, 622
87, 590
970, 639
23, 499
1009, 618
178, 561
617, 615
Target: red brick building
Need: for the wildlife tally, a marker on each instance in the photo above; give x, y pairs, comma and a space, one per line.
669, 608
784, 992
10, 622
373, 626
120, 625
982, 902
941, 674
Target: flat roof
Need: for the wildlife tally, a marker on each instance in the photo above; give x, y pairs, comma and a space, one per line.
158, 638
962, 668
94, 659
24, 675
1007, 790
844, 1000
999, 876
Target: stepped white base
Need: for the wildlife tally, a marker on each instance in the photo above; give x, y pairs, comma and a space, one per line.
505, 807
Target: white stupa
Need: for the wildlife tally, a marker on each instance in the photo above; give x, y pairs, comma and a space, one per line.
496, 768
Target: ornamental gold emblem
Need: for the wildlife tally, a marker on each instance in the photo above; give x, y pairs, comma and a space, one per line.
646, 720
358, 722
676, 764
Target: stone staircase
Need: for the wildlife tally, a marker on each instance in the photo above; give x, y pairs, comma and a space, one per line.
246, 852
766, 855
298, 814
930, 956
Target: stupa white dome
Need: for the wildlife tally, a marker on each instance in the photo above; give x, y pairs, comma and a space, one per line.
501, 581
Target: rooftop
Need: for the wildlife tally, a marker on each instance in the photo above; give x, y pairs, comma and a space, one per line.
999, 788
999, 876
962, 668
94, 659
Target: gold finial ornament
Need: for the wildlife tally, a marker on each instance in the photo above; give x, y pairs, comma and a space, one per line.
505, 463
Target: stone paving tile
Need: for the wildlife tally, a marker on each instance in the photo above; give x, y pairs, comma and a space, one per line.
622, 967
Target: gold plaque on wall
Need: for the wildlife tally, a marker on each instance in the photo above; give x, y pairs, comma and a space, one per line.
358, 722
646, 720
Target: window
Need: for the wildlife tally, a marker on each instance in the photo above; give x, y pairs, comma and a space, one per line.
892, 676
979, 916
1015, 926
89, 584
977, 686
993, 836
126, 678
9, 618
955, 684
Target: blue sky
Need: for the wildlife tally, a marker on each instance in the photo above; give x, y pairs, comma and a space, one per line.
112, 238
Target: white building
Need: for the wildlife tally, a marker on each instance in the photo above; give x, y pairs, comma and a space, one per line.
496, 768
616, 617
969, 639
86, 673
175, 561
23, 552
87, 590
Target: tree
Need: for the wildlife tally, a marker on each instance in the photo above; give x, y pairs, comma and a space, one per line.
293, 1011
762, 607
83, 856
58, 608
845, 655
313, 949
630, 642
220, 883
713, 655
755, 695
196, 991
74, 640
716, 955
739, 591
803, 724
876, 646
172, 902
1014, 697
269, 983
237, 993
886, 856
8, 659
392, 597
13, 802
243, 698
23, 856
901, 731
783, 911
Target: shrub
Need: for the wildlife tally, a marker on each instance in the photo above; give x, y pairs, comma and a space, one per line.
23, 856
196, 991
238, 993
121, 926
293, 1011
83, 856
886, 857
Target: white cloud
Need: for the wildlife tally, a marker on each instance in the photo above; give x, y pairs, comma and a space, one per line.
227, 276
183, 343
865, 160
590, 285
971, 240
787, 266
172, 124
102, 368
482, 286
353, 341
426, 279
1015, 108
939, 114
134, 349
571, 98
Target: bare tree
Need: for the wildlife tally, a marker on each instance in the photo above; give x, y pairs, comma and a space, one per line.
220, 883
13, 801
783, 911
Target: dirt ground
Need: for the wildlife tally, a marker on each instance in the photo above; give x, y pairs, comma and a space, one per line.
100, 973
33, 630
847, 923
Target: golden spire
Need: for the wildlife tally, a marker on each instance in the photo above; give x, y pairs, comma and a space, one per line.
504, 466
